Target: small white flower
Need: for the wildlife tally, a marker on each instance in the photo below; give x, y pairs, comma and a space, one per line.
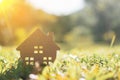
60, 73
33, 76
73, 56
116, 55
82, 79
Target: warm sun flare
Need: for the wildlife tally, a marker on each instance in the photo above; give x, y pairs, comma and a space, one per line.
5, 7
1, 1
6, 3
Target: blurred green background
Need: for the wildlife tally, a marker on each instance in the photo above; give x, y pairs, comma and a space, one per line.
98, 22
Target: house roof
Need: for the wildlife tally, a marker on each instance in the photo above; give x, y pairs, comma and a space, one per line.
39, 37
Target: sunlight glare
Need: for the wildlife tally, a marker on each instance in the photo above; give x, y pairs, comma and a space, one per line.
1, 1
58, 7
5, 7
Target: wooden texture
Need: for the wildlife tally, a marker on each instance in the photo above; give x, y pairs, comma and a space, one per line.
38, 48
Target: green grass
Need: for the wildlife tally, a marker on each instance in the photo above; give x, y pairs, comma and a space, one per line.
92, 63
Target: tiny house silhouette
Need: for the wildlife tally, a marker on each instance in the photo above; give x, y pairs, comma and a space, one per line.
39, 48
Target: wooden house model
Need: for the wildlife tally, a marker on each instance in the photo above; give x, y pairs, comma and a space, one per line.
39, 48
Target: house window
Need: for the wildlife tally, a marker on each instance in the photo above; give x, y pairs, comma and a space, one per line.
47, 60
29, 60
38, 49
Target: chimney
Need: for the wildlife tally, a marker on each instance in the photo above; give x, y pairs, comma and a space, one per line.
50, 35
